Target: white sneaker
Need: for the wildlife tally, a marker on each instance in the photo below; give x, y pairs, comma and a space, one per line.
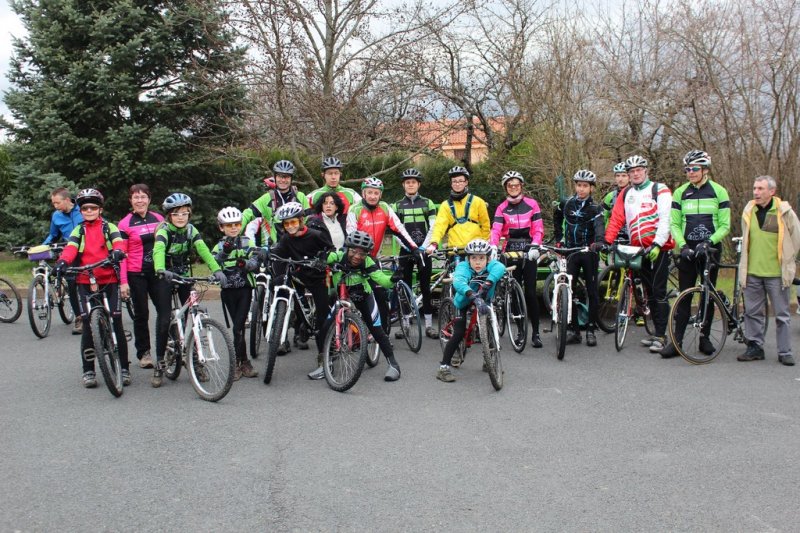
319, 373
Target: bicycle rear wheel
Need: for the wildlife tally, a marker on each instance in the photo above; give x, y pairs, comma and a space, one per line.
256, 322
491, 349
10, 302
447, 317
213, 377
106, 353
274, 339
516, 315
64, 303
562, 314
410, 323
623, 314
345, 351
645, 305
173, 353
499, 305
39, 312
608, 284
707, 327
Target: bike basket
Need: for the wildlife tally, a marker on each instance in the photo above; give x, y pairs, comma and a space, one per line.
40, 253
628, 257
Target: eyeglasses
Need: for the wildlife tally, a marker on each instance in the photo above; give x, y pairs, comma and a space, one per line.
458, 181
90, 208
182, 214
692, 169
514, 186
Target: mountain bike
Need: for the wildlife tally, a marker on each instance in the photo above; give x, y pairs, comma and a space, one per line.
198, 342
481, 327
287, 292
104, 338
259, 308
403, 309
345, 346
633, 299
449, 257
509, 304
563, 296
44, 293
10, 302
711, 316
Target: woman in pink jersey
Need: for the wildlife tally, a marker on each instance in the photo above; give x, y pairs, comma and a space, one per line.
138, 230
518, 220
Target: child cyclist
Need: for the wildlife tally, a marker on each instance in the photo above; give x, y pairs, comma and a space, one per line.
473, 281
237, 258
175, 239
91, 241
356, 264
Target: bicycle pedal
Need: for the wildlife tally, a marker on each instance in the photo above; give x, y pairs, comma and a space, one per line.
128, 335
88, 354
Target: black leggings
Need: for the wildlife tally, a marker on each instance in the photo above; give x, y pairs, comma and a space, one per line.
407, 263
322, 305
688, 272
142, 285
116, 317
654, 278
587, 263
459, 328
164, 311
237, 304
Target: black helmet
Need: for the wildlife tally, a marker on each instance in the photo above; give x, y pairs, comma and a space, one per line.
411, 174
359, 239
89, 196
283, 167
331, 162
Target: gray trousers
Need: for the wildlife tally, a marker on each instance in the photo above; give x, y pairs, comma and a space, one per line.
755, 295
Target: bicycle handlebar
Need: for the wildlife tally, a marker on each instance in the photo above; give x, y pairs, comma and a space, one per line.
316, 264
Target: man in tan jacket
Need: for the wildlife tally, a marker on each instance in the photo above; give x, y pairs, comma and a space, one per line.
771, 239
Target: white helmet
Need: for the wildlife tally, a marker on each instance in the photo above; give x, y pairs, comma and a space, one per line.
635, 161
478, 247
229, 215
288, 211
511, 175
585, 175
697, 157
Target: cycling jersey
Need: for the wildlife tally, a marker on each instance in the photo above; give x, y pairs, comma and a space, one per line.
89, 243
460, 224
173, 248
608, 205
307, 243
62, 224
358, 278
237, 264
464, 274
578, 222
375, 220
139, 235
418, 215
520, 222
700, 214
647, 216
264, 208
348, 196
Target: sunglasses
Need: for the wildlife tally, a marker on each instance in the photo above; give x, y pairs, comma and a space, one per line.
90, 208
291, 223
692, 169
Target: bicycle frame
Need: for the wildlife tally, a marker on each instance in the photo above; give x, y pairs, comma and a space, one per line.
263, 280
730, 308
193, 324
285, 291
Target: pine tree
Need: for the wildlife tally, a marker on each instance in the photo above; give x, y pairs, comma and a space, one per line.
111, 93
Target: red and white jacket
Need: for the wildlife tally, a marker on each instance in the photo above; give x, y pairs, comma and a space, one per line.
375, 220
647, 218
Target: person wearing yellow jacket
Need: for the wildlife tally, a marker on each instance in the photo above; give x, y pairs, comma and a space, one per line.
770, 242
462, 217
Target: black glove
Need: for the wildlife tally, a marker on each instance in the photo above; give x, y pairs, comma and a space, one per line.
470, 295
263, 254
167, 275
116, 256
228, 245
482, 306
397, 275
60, 267
599, 246
703, 247
687, 254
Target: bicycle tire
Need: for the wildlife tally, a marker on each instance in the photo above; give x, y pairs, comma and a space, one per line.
64, 304
716, 331
345, 352
39, 311
499, 305
373, 352
643, 302
609, 296
173, 353
220, 359
10, 302
447, 315
274, 340
547, 292
516, 316
623, 314
256, 322
105, 352
491, 351
410, 323
562, 314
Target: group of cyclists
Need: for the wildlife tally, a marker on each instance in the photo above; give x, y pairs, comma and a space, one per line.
339, 226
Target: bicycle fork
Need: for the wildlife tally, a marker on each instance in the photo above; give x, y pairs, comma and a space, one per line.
273, 305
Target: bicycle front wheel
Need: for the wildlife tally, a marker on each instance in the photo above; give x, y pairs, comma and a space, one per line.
491, 350
256, 322
609, 284
173, 353
623, 314
210, 360
274, 339
499, 305
562, 315
516, 316
345, 351
39, 312
106, 353
447, 318
706, 329
64, 303
410, 323
10, 302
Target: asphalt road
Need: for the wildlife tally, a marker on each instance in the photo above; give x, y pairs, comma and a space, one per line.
601, 441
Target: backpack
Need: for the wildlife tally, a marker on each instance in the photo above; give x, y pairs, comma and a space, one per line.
82, 233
